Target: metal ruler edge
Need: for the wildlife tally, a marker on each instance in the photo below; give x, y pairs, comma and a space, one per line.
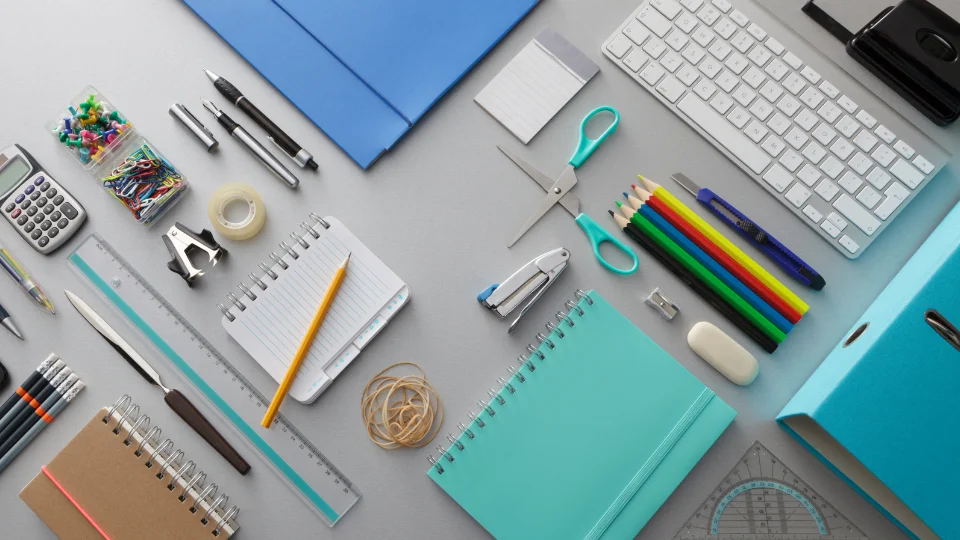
281, 467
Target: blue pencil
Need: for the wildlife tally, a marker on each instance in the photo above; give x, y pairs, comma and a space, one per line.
714, 267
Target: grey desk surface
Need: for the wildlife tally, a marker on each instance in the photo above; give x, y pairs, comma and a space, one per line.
438, 209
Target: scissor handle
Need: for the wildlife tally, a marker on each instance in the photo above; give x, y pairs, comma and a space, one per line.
599, 235
586, 145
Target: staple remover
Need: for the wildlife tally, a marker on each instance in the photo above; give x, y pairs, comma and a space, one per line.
530, 281
181, 242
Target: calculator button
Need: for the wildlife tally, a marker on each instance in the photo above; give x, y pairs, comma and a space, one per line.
48, 208
36, 234
38, 218
24, 205
19, 198
35, 196
45, 186
41, 201
29, 226
29, 190
52, 233
63, 223
55, 216
43, 242
46, 225
22, 219
58, 199
52, 193
39, 180
69, 211
32, 211
9, 208
15, 214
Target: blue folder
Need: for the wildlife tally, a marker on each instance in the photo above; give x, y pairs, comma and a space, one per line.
364, 71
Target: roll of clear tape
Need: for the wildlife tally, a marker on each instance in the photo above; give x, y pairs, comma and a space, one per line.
225, 196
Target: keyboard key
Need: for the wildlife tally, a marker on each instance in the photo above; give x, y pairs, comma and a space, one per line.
773, 146
728, 137
756, 131
653, 20
759, 33
779, 124
865, 140
923, 164
904, 149
788, 105
806, 119
848, 244
721, 103
831, 229
727, 81
792, 60
860, 163
866, 119
759, 55
895, 195
810, 75
671, 61
847, 104
669, 8
824, 134
739, 18
761, 109
797, 195
837, 221
884, 155
814, 152
738, 117
635, 60
885, 134
754, 77
703, 36
742, 42
636, 32
686, 21
794, 83
654, 48
720, 49
693, 54
878, 178
857, 215
796, 138
775, 46
692, 5
811, 97
771, 91
831, 167
812, 213
704, 89
842, 149
778, 178
725, 28
736, 63
850, 182
744, 95
710, 67
792, 161
619, 46
676, 40
829, 90
847, 126
868, 197
688, 74
829, 112
808, 175
652, 73
777, 69
906, 173
722, 5
708, 15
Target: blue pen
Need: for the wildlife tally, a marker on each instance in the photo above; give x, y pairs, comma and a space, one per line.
761, 239
714, 267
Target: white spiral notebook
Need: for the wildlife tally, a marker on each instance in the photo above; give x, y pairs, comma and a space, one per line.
271, 315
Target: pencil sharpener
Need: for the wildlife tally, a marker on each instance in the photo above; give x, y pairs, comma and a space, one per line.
662, 304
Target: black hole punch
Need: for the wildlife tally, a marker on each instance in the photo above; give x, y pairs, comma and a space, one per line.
856, 334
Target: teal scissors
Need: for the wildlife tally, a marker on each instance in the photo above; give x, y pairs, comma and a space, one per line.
559, 191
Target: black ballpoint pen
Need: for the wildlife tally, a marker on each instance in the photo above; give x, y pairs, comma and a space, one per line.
7, 322
274, 133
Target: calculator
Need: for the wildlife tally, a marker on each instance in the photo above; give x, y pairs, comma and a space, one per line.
37, 206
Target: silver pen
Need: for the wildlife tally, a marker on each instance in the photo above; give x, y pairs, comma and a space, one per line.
255, 147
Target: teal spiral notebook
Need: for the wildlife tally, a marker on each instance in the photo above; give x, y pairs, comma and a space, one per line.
587, 439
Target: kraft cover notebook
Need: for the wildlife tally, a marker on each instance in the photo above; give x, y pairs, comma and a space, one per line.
364, 71
587, 439
101, 486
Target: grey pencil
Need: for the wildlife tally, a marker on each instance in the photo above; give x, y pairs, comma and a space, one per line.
32, 392
39, 426
17, 430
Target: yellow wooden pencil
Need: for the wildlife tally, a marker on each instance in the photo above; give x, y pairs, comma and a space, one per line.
729, 248
301, 353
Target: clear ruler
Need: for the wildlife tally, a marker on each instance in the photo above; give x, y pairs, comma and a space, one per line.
762, 499
284, 447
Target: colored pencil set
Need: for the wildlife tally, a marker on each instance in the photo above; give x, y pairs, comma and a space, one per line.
36, 402
719, 272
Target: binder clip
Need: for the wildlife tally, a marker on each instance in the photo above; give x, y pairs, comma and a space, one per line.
530, 281
181, 242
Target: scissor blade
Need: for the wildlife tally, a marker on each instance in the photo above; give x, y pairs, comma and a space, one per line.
568, 201
546, 204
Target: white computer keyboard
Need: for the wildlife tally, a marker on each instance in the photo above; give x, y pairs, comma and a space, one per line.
810, 134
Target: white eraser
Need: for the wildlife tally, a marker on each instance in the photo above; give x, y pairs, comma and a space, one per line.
723, 353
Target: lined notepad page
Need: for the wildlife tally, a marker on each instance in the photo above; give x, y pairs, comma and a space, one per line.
272, 326
536, 84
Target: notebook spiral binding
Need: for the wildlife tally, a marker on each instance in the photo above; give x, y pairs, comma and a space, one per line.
551, 339
268, 269
170, 464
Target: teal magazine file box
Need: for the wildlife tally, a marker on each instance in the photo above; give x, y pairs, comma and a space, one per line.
588, 444
882, 410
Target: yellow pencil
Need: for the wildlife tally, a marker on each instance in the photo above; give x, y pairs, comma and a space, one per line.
721, 242
294, 366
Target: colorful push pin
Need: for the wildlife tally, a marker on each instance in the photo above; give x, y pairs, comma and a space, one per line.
84, 155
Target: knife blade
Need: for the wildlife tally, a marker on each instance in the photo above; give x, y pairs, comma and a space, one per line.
173, 398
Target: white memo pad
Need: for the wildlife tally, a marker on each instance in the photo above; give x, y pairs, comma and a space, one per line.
536, 84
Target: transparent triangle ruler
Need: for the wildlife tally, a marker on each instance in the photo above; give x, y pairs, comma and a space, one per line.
762, 499
284, 446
